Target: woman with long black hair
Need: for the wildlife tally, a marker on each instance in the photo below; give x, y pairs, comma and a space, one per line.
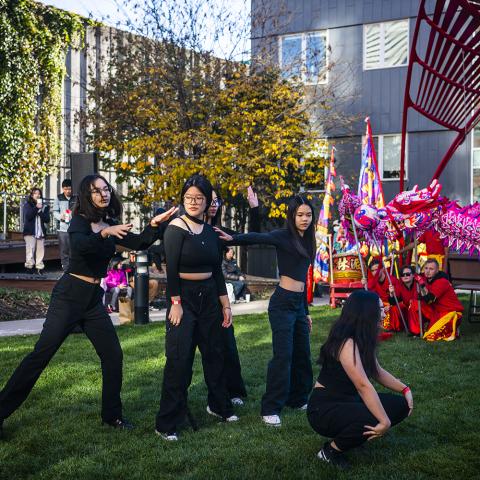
198, 308
289, 375
77, 298
344, 405
233, 370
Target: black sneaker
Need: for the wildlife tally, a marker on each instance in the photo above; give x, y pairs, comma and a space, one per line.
40, 272
120, 423
329, 455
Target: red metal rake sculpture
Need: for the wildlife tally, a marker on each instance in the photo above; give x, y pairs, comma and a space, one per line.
448, 91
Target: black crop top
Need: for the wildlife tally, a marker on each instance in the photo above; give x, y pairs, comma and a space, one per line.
334, 378
186, 252
90, 253
290, 262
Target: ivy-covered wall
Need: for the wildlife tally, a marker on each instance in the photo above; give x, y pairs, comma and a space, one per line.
34, 40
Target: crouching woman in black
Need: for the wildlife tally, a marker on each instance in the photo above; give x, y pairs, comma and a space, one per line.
77, 298
196, 292
289, 374
344, 405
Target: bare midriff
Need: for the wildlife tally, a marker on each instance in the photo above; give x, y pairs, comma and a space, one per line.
85, 278
195, 276
290, 284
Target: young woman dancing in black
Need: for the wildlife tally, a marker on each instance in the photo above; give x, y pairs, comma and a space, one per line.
198, 308
77, 298
344, 405
233, 370
289, 375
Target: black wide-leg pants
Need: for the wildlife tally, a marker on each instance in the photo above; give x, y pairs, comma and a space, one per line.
200, 325
289, 373
73, 302
343, 417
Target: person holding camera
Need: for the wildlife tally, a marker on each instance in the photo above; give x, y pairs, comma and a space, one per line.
62, 212
36, 215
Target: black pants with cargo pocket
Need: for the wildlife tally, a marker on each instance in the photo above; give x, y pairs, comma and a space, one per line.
200, 326
73, 302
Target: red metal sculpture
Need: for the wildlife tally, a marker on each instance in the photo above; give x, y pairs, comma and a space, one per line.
448, 91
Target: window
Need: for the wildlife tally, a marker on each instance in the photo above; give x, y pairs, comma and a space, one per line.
385, 45
476, 165
304, 56
387, 148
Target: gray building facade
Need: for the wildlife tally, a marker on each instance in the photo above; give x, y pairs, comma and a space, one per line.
367, 44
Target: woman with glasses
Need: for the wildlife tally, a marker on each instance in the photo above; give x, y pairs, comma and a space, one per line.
344, 405
289, 375
198, 309
407, 297
77, 298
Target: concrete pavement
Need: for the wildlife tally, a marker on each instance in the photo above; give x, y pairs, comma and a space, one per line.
34, 326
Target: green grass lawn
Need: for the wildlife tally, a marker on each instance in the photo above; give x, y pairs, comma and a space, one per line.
57, 434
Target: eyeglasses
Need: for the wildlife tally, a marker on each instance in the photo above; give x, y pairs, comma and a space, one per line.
193, 200
406, 274
216, 202
101, 191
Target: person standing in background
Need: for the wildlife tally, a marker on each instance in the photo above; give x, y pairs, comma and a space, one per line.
36, 215
62, 212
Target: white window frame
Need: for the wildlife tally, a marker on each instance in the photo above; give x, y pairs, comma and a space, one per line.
379, 153
303, 36
382, 45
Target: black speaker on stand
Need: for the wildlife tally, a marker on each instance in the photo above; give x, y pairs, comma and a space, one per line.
82, 164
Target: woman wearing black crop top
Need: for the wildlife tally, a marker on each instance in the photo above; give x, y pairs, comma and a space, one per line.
344, 405
289, 375
77, 298
196, 294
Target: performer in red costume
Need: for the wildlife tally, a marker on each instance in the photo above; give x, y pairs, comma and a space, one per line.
434, 249
406, 293
439, 303
378, 283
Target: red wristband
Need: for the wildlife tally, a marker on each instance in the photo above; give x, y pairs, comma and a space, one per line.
176, 302
405, 391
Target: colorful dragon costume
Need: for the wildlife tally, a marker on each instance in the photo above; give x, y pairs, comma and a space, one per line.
413, 212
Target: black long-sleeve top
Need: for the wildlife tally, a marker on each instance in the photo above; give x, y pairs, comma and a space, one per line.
90, 253
31, 212
290, 262
192, 253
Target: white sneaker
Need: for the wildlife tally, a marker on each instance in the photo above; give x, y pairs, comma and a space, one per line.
231, 418
237, 401
272, 420
169, 437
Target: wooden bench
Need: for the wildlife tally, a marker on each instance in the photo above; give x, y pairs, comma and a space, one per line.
465, 275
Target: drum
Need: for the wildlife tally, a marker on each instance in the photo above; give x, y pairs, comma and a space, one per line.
346, 268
